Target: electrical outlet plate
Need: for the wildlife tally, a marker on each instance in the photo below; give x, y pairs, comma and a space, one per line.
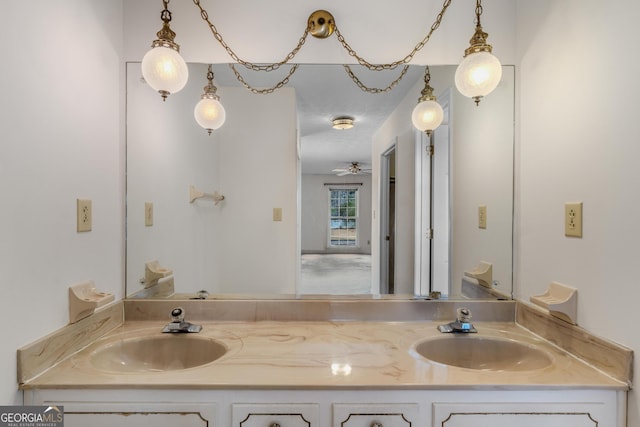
482, 216
148, 214
83, 207
573, 219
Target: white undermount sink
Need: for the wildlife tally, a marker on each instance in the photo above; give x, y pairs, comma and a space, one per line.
472, 351
159, 353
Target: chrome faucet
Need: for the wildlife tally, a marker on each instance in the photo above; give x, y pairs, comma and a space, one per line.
178, 324
462, 323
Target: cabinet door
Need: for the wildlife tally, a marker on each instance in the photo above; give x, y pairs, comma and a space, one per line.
137, 419
138, 415
274, 415
516, 414
375, 415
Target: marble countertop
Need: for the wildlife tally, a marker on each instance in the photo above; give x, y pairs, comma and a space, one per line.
300, 355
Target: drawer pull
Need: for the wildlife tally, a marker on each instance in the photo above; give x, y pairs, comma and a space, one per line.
376, 424
274, 425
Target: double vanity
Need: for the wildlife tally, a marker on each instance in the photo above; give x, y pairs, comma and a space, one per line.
327, 363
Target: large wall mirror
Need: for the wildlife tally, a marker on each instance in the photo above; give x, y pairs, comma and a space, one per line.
308, 210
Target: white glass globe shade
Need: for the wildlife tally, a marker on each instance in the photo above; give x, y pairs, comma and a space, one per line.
210, 114
427, 115
478, 74
164, 70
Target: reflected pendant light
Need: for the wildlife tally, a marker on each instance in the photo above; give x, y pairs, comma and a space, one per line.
428, 114
480, 71
209, 112
162, 67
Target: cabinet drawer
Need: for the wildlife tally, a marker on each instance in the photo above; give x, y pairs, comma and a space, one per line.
508, 414
275, 415
375, 415
132, 414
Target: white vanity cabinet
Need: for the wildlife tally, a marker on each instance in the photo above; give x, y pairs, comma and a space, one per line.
337, 408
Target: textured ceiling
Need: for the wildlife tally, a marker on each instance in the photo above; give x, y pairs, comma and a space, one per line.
325, 92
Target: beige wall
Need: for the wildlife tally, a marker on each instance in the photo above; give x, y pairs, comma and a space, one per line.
258, 172
61, 121
166, 153
251, 160
578, 141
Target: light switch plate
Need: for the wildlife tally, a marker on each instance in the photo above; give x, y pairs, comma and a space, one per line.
83, 207
148, 214
277, 214
573, 219
482, 216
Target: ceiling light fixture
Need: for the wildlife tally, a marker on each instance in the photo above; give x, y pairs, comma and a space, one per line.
477, 75
428, 114
162, 67
321, 24
480, 71
209, 112
342, 123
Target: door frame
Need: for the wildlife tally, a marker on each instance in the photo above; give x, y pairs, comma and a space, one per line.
385, 175
428, 277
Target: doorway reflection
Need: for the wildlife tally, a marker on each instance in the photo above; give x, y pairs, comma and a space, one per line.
388, 221
336, 234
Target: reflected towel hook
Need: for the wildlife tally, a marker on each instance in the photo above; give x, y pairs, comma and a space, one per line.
197, 194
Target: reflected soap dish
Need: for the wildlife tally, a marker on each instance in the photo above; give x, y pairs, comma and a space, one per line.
561, 301
483, 273
153, 272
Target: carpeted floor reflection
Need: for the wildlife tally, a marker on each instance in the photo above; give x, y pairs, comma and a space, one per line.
335, 274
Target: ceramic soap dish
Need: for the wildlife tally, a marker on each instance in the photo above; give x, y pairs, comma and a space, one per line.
84, 299
561, 301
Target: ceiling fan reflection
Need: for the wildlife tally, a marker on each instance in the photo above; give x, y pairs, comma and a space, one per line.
354, 169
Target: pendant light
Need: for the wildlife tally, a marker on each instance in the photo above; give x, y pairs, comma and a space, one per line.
162, 67
480, 71
428, 114
209, 112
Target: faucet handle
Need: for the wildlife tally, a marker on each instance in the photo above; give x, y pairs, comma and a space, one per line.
177, 314
464, 315
462, 323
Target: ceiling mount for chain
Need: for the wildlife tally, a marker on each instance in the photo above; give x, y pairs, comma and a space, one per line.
321, 24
